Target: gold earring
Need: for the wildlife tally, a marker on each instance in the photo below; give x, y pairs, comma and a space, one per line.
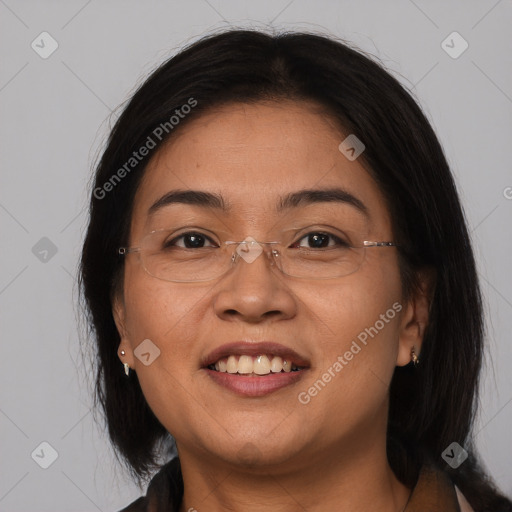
415, 359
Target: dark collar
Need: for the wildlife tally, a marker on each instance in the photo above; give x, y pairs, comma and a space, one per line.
433, 491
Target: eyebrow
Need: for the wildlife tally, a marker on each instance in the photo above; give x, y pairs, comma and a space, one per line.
292, 200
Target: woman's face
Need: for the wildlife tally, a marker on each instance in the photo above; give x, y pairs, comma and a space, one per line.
348, 331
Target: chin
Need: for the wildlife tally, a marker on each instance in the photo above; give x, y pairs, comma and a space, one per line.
256, 452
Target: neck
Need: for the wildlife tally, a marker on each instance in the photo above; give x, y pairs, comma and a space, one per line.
354, 479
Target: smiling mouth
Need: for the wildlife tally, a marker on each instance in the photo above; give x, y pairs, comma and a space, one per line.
254, 366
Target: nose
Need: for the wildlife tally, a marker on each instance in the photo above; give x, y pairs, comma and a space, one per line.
254, 290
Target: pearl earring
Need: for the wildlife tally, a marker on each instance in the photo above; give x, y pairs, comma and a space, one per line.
126, 365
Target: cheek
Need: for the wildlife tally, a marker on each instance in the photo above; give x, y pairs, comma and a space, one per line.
358, 330
164, 314
349, 306
167, 314
156, 309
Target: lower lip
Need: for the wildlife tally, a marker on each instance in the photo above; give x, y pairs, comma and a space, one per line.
255, 386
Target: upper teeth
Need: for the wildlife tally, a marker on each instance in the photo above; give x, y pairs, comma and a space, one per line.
260, 365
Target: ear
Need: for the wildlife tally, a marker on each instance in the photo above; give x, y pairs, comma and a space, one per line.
119, 314
415, 317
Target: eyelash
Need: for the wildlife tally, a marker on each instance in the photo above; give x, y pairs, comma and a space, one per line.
337, 239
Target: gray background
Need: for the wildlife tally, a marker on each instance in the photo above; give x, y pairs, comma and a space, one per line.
54, 117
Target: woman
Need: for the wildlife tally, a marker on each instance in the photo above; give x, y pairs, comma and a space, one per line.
279, 275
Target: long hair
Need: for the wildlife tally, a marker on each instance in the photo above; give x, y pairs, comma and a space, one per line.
430, 406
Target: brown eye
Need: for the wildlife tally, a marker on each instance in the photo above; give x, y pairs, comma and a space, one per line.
190, 240
320, 240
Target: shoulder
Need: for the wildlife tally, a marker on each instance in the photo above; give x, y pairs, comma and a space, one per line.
165, 491
139, 505
433, 491
463, 502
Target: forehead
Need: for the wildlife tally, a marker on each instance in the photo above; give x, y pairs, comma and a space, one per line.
253, 155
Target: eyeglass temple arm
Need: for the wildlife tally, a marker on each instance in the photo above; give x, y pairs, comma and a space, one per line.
127, 250
367, 243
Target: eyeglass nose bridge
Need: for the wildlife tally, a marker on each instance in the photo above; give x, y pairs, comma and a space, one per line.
250, 249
